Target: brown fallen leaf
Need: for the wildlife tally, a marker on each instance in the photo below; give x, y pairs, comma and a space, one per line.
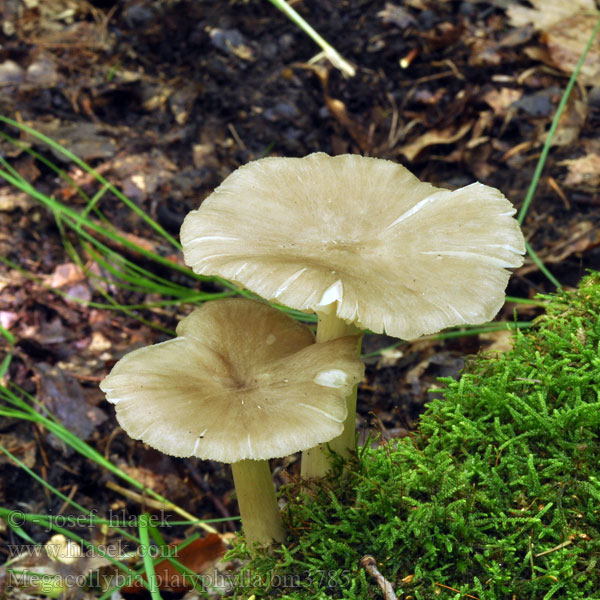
199, 556
582, 237
500, 341
566, 27
566, 42
500, 100
584, 172
87, 140
11, 200
546, 13
65, 274
396, 15
570, 123
448, 135
64, 398
22, 449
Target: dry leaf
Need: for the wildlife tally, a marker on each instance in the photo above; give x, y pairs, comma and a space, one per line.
99, 343
65, 274
11, 200
582, 237
584, 172
396, 15
64, 397
500, 100
449, 135
501, 341
567, 27
199, 556
570, 123
566, 42
546, 13
22, 449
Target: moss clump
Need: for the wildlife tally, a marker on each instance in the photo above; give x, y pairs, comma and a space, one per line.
497, 495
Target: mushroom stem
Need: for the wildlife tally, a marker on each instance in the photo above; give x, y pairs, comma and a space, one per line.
315, 461
257, 502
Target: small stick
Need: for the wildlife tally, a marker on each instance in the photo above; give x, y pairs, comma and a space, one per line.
158, 505
455, 590
559, 547
369, 564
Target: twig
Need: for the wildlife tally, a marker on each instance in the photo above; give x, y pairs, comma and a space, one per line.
149, 502
208, 493
329, 52
369, 564
559, 547
447, 587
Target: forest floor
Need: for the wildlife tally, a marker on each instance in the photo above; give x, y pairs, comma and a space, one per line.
165, 98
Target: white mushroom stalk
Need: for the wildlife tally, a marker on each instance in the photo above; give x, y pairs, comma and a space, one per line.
241, 383
359, 241
315, 461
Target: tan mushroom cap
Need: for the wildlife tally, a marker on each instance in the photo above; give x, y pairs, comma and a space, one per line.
396, 254
241, 380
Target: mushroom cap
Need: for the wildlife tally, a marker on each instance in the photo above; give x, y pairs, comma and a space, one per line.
241, 380
393, 253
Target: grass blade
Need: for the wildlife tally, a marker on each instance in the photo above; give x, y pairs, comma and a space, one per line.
559, 111
329, 51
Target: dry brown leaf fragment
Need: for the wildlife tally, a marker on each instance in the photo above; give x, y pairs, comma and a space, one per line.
11, 200
65, 274
501, 100
199, 556
20, 447
567, 41
448, 135
396, 15
567, 26
500, 341
64, 397
583, 172
582, 237
570, 124
547, 12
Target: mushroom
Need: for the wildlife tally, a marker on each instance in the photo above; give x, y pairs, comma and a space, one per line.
241, 383
361, 242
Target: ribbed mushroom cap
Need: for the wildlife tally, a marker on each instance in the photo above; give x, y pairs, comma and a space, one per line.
240, 380
395, 253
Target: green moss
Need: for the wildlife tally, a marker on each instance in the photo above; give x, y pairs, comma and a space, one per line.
497, 495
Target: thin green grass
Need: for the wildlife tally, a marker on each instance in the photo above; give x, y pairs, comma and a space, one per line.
22, 410
554, 126
336, 59
144, 521
15, 519
546, 150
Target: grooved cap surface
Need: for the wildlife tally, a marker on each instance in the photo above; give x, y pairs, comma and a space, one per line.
395, 254
240, 381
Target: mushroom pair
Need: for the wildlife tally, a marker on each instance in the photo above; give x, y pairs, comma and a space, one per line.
359, 241
362, 243
241, 383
